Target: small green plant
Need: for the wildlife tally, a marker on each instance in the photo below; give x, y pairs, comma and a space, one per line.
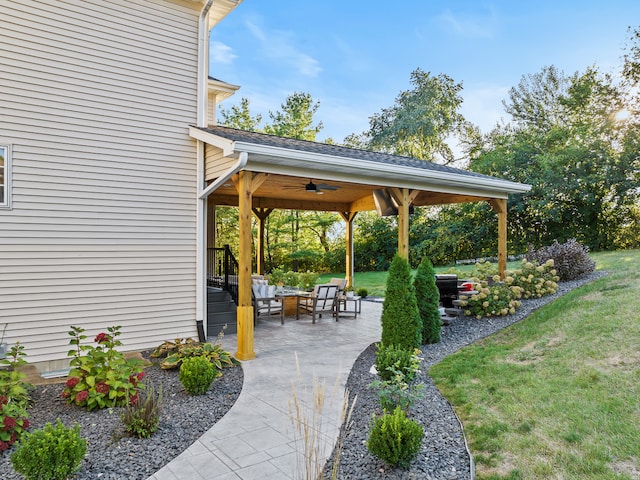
396, 392
14, 398
390, 359
53, 453
362, 292
197, 374
180, 349
141, 419
102, 377
395, 439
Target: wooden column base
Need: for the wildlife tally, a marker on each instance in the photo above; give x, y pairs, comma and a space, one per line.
245, 334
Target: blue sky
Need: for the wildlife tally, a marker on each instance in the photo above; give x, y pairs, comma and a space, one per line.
355, 57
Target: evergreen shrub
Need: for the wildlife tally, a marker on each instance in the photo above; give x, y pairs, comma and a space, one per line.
428, 299
197, 374
53, 453
395, 439
401, 322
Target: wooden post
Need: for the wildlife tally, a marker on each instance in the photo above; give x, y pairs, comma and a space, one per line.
348, 218
211, 224
245, 304
261, 214
403, 198
500, 206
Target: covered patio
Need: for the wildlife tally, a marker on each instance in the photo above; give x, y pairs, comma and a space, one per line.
259, 173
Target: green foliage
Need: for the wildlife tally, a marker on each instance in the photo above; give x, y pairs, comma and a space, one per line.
428, 298
53, 453
197, 374
14, 398
239, 116
180, 349
401, 323
491, 301
534, 280
141, 418
583, 166
397, 368
362, 292
393, 358
396, 392
421, 120
296, 118
395, 439
376, 242
102, 377
570, 259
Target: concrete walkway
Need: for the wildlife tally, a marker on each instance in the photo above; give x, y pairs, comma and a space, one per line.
257, 438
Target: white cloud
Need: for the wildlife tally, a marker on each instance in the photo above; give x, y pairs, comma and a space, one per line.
471, 26
221, 53
483, 105
280, 47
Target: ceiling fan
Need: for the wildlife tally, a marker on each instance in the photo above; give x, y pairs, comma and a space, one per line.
317, 188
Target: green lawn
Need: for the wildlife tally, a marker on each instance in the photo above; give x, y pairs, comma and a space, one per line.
376, 282
558, 394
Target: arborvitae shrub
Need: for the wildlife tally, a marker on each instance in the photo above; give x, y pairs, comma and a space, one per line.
428, 298
395, 439
401, 323
197, 375
570, 260
53, 453
396, 358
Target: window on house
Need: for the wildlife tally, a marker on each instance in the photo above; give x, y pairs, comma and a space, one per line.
4, 175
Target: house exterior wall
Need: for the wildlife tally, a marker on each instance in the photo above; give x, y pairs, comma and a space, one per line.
95, 101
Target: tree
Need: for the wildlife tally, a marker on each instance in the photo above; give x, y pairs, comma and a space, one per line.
296, 118
581, 163
420, 122
401, 324
428, 299
239, 116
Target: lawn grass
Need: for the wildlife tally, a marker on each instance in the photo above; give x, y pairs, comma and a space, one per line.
558, 394
376, 282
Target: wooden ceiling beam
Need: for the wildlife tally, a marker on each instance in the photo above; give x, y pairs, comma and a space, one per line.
281, 203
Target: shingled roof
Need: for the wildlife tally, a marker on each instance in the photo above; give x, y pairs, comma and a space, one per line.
243, 136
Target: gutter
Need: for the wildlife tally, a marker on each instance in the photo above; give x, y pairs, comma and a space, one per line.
221, 180
201, 204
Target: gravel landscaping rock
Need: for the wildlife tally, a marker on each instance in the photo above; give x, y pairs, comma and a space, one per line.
111, 455
444, 454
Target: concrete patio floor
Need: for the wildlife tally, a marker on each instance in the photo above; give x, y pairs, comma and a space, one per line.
257, 438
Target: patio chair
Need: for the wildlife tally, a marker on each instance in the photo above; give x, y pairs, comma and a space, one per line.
265, 302
324, 298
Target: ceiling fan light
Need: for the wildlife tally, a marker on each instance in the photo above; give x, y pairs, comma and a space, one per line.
311, 187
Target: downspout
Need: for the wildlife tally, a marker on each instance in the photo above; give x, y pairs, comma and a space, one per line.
201, 204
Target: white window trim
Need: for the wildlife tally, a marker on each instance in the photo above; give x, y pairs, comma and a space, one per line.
6, 204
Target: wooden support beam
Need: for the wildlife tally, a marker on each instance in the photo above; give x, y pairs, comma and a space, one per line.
348, 218
500, 206
285, 204
261, 214
245, 304
403, 197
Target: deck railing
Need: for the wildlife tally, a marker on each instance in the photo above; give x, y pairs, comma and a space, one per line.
222, 270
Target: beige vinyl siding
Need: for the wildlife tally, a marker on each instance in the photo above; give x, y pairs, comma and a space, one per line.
215, 163
96, 100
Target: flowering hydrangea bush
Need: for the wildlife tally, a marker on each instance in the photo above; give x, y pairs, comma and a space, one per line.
492, 301
535, 280
14, 398
102, 377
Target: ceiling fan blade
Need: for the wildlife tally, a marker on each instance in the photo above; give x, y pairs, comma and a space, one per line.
324, 186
